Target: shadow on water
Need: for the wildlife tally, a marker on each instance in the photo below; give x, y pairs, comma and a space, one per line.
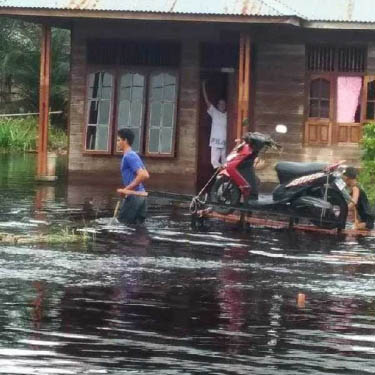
166, 299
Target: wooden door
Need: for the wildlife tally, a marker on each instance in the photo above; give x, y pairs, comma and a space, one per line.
318, 126
216, 84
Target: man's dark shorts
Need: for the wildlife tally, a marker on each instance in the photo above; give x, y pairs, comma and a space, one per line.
133, 210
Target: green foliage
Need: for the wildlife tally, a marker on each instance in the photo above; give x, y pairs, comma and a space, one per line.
21, 135
368, 142
20, 62
367, 173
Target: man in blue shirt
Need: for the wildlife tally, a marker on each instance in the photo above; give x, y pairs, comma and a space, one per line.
134, 173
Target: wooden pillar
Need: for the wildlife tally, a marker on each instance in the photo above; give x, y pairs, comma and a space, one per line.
44, 92
243, 83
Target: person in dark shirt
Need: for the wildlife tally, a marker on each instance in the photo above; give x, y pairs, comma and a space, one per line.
359, 201
133, 209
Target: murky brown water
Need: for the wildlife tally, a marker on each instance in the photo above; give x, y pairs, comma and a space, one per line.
169, 300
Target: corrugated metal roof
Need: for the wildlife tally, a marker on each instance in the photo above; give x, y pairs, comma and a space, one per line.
309, 10
222, 7
334, 10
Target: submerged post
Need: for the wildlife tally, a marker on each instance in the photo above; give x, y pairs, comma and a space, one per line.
44, 92
243, 82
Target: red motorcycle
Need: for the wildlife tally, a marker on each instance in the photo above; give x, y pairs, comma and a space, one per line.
314, 191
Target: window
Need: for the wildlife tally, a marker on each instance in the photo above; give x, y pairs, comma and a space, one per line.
319, 100
370, 99
99, 108
132, 84
162, 113
139, 91
336, 92
348, 99
131, 103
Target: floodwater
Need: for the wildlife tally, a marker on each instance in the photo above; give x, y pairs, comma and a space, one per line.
170, 300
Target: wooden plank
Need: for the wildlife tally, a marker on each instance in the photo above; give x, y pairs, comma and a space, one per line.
44, 92
278, 224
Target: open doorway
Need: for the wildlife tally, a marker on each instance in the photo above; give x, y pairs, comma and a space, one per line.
216, 85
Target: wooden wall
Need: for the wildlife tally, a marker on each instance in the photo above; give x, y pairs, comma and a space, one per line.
181, 170
279, 84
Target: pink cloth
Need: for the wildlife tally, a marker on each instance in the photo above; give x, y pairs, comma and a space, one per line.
348, 93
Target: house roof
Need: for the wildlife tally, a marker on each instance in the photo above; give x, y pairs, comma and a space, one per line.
219, 7
359, 11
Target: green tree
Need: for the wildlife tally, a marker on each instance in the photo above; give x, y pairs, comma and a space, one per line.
21, 60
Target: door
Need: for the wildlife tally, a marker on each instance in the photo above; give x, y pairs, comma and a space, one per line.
318, 127
216, 84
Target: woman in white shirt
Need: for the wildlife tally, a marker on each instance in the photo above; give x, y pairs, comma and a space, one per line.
218, 138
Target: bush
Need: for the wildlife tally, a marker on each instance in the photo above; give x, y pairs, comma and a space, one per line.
20, 135
367, 173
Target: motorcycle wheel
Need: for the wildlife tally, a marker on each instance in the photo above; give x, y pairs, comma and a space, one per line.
224, 192
337, 218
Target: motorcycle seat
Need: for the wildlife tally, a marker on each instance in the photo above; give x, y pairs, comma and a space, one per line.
287, 170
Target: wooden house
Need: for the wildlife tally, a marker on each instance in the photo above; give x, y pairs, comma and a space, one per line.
140, 64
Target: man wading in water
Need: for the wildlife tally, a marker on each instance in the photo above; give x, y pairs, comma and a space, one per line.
133, 209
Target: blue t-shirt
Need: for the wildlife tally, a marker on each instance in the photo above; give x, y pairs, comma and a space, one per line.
130, 164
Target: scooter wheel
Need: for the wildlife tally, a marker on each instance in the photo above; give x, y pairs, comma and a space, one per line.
225, 193
336, 218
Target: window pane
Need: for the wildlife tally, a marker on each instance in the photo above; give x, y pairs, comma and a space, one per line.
125, 93
123, 114
136, 144
90, 138
157, 94
106, 79
315, 88
126, 80
154, 140
136, 114
371, 90
324, 89
157, 80
93, 112
314, 108
155, 114
138, 80
101, 138
370, 111
168, 114
169, 79
104, 112
137, 93
169, 93
324, 109
166, 138
106, 92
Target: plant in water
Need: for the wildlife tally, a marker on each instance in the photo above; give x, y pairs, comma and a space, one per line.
21, 135
367, 173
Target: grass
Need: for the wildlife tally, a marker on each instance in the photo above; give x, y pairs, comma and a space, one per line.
62, 237
20, 135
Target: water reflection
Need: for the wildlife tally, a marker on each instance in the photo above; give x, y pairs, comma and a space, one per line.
168, 300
